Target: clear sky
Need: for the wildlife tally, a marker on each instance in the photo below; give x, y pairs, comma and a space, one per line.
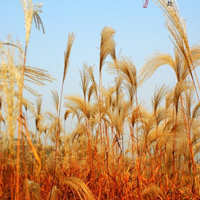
140, 32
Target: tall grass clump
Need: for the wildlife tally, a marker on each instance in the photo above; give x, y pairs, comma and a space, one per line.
118, 148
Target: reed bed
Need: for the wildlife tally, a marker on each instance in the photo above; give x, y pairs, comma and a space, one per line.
118, 149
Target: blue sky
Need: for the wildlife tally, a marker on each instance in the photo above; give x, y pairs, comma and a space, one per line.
140, 32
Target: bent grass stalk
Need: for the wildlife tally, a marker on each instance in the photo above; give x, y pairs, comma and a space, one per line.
71, 38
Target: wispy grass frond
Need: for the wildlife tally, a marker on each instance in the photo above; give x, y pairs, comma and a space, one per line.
195, 53
28, 105
39, 112
84, 80
71, 38
148, 124
37, 76
108, 95
179, 89
118, 89
79, 131
38, 22
33, 189
177, 28
196, 111
175, 24
29, 89
79, 187
127, 68
136, 116
169, 99
27, 6
158, 97
153, 62
10, 81
75, 111
93, 88
67, 113
160, 115
79, 103
107, 45
53, 194
55, 98
120, 116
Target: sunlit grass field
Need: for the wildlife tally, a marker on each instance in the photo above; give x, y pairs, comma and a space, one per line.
119, 149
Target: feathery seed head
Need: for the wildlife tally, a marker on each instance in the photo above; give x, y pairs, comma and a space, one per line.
107, 45
71, 38
27, 6
107, 33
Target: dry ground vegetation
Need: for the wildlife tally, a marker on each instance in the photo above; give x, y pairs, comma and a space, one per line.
93, 161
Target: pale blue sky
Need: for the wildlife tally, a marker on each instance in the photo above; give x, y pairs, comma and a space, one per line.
140, 32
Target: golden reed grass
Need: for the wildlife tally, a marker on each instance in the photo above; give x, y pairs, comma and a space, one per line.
118, 149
